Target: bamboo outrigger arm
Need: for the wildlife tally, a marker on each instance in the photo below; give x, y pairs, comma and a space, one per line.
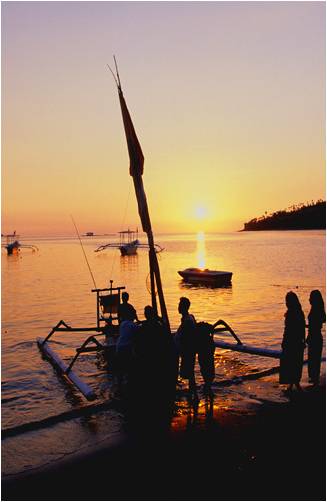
240, 346
65, 369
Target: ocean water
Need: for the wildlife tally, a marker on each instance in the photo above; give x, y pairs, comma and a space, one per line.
41, 288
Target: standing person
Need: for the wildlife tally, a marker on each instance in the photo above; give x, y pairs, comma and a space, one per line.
186, 343
126, 309
291, 361
125, 345
316, 318
155, 368
206, 354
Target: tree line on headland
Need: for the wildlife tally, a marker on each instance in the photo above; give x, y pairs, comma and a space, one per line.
309, 216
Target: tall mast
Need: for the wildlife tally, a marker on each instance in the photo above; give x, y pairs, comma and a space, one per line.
136, 171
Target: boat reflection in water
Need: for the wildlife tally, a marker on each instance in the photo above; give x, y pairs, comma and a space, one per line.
202, 275
129, 263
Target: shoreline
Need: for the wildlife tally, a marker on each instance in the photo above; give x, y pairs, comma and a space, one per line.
277, 453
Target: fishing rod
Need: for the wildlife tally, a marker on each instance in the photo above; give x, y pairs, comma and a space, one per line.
80, 240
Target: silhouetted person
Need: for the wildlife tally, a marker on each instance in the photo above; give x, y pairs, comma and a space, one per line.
125, 345
206, 354
316, 318
126, 309
153, 379
291, 361
186, 343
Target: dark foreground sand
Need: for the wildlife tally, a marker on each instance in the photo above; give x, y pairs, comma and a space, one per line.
276, 454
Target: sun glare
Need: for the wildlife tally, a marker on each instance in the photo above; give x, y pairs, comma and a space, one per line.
201, 212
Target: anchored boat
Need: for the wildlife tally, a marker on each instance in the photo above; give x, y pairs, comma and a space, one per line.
207, 277
128, 243
13, 245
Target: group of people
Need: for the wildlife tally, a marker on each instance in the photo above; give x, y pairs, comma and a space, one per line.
295, 340
146, 353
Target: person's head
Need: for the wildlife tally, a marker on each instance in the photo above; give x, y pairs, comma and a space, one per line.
316, 300
149, 313
125, 297
184, 305
292, 301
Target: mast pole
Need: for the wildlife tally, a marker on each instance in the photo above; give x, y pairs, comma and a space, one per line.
136, 171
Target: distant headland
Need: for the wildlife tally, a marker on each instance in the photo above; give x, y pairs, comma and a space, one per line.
309, 216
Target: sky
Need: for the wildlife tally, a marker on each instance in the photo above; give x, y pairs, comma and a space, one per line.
227, 99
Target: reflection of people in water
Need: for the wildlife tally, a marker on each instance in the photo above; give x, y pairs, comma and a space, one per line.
186, 343
291, 360
316, 318
126, 309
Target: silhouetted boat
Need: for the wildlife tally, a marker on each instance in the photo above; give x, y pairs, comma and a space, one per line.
13, 245
206, 276
128, 243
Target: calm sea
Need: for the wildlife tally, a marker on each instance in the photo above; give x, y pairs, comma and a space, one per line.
41, 288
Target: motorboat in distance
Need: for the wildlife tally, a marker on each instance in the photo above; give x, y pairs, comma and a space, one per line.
207, 277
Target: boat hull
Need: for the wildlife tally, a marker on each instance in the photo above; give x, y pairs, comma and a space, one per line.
209, 278
128, 250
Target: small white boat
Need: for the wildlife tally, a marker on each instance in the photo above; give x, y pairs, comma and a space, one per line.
206, 276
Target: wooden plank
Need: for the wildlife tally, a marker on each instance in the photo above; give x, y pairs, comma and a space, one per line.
248, 349
55, 359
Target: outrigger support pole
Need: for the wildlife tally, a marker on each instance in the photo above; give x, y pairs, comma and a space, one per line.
226, 327
91, 339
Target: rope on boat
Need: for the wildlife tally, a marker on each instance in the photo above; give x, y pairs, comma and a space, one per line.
80, 240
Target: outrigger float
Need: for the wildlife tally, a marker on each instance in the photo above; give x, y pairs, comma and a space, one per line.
107, 303
13, 245
108, 299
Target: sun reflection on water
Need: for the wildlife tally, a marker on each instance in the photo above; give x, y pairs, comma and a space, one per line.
201, 250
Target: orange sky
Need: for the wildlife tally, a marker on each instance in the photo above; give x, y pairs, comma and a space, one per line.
228, 101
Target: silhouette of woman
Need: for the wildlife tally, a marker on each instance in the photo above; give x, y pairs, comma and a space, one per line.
316, 318
291, 360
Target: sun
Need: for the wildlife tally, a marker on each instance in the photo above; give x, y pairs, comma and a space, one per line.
200, 212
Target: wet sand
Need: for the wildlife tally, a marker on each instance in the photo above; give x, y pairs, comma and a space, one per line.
278, 453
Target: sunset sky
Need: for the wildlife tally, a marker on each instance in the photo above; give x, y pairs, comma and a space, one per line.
227, 98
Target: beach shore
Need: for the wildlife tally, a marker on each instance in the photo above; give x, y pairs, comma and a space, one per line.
278, 453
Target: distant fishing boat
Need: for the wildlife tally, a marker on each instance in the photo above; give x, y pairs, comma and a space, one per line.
13, 245
128, 243
205, 276
89, 234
